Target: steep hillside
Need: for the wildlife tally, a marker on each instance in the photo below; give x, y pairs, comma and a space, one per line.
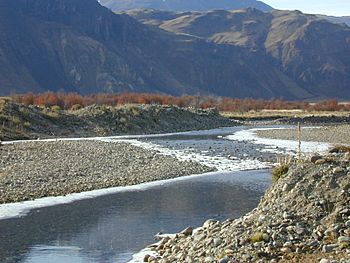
184, 5
81, 46
312, 51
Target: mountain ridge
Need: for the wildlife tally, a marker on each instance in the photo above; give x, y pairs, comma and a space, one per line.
184, 5
83, 47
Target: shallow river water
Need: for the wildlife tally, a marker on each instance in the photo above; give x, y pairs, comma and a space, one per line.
113, 227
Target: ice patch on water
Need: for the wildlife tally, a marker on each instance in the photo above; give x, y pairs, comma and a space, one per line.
12, 210
273, 145
218, 162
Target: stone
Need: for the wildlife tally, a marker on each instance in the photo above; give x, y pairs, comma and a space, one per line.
266, 237
262, 219
187, 231
324, 260
338, 170
286, 250
286, 215
287, 187
314, 158
299, 230
209, 222
224, 260
209, 260
217, 241
343, 239
320, 161
329, 248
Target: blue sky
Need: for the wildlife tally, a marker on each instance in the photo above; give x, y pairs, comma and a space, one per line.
328, 7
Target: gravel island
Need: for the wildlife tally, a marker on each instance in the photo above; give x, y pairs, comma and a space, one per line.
38, 169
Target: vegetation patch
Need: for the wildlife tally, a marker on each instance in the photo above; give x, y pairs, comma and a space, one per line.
279, 171
257, 237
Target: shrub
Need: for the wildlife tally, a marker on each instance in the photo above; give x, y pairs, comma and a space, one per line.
56, 108
279, 171
257, 237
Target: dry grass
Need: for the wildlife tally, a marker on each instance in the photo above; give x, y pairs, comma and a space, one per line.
282, 168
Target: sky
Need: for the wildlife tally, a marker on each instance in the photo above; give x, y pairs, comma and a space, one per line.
326, 7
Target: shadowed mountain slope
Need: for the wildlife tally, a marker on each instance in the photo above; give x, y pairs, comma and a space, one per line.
78, 45
312, 51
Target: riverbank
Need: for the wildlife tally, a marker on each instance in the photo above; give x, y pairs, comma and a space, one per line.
39, 169
20, 122
303, 217
337, 134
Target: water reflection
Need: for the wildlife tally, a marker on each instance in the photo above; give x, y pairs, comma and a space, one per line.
111, 228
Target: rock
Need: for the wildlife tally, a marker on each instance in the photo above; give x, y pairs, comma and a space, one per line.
262, 218
266, 237
145, 258
299, 230
286, 187
338, 170
209, 222
320, 161
286, 250
324, 260
343, 239
287, 215
187, 231
314, 158
347, 223
209, 260
329, 248
217, 241
334, 150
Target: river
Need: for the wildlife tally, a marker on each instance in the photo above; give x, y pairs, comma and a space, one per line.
113, 227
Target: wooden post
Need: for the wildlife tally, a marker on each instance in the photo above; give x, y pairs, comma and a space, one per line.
299, 142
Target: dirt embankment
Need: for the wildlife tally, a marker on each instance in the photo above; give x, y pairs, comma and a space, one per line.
29, 122
304, 217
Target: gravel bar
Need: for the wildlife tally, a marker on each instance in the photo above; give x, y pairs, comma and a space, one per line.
339, 134
38, 169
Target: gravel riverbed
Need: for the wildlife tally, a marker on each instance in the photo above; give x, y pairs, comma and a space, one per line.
339, 134
38, 169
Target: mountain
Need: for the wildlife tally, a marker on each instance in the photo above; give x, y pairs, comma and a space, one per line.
337, 19
184, 5
78, 45
81, 46
312, 51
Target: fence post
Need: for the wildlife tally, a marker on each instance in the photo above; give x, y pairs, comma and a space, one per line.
299, 142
